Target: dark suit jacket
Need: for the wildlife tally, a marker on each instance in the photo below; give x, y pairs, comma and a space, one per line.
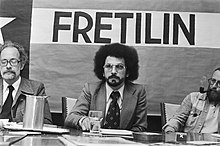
93, 97
29, 87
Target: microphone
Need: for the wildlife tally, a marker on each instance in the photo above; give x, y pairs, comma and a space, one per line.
202, 90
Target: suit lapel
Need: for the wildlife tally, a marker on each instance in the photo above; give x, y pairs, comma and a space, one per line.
25, 88
128, 105
1, 94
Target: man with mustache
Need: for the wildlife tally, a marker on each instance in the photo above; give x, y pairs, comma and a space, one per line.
116, 65
12, 60
199, 112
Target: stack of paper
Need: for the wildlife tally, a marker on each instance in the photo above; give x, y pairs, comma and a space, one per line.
116, 132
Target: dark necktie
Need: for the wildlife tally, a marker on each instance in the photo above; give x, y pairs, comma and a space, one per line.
113, 115
6, 109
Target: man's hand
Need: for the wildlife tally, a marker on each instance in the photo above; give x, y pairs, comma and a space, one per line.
85, 124
169, 129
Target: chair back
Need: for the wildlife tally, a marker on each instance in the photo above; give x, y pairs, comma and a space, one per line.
167, 111
67, 105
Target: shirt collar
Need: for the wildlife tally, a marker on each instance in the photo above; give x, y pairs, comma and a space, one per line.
109, 91
15, 84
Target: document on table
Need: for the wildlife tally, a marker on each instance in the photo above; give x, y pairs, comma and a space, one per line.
46, 129
9, 138
116, 132
203, 142
96, 140
216, 135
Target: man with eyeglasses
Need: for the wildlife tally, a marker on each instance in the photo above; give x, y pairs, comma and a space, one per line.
13, 87
199, 111
116, 65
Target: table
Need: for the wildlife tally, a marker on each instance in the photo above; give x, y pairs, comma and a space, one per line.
146, 139
179, 139
40, 140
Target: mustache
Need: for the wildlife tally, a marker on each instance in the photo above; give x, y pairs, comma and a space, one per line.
9, 71
113, 76
211, 89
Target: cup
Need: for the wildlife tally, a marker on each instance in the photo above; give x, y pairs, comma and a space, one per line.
95, 118
34, 112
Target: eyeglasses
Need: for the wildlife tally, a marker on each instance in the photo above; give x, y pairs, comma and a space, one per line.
118, 67
213, 81
12, 62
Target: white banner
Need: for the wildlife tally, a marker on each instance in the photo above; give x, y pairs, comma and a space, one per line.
136, 28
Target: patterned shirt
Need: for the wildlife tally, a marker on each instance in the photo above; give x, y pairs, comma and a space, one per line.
195, 115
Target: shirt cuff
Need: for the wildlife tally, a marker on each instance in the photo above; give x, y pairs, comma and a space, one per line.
80, 121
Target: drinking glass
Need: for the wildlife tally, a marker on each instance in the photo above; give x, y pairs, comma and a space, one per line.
95, 118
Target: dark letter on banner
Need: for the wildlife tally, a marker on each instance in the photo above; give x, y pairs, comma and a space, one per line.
99, 27
77, 31
148, 39
57, 26
138, 28
166, 28
190, 35
124, 17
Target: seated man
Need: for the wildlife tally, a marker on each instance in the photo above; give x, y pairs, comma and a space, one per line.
199, 112
12, 60
116, 65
